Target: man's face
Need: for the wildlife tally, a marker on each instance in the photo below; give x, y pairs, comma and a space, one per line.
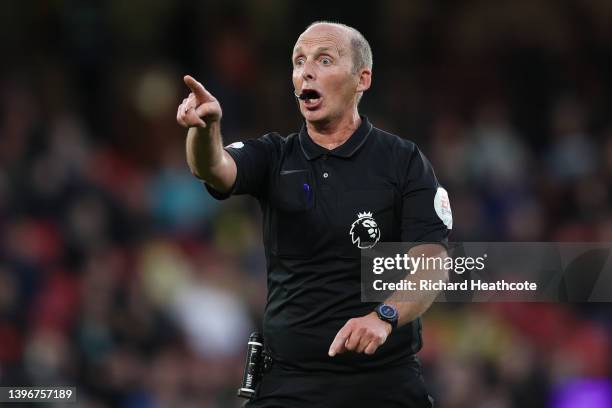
323, 69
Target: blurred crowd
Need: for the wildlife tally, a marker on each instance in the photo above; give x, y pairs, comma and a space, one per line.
121, 276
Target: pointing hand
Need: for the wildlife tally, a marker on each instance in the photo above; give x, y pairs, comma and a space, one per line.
361, 335
200, 108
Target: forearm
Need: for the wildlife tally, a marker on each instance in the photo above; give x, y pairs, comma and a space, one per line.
409, 310
207, 159
366, 333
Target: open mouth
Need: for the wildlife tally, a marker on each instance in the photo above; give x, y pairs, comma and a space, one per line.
311, 98
309, 94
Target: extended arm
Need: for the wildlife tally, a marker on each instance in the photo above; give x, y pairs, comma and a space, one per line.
201, 113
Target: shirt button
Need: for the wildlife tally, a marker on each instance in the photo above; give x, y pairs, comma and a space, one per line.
325, 175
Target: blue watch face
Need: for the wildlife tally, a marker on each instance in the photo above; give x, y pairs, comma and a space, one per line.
387, 311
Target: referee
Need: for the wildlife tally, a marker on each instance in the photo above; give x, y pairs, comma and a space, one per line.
337, 186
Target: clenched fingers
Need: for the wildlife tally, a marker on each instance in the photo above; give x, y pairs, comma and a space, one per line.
180, 114
364, 341
372, 346
353, 341
193, 119
186, 115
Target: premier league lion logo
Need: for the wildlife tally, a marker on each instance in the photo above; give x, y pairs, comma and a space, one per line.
364, 231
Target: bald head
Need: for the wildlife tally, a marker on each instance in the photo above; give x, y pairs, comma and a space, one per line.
356, 43
332, 60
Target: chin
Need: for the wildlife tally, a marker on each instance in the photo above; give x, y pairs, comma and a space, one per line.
314, 117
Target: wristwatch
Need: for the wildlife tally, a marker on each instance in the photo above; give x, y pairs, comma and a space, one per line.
387, 313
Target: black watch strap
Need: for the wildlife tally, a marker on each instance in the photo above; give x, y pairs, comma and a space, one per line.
387, 313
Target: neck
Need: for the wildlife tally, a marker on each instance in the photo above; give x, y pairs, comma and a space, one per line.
335, 132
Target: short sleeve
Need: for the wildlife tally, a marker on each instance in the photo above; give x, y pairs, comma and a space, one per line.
254, 159
426, 212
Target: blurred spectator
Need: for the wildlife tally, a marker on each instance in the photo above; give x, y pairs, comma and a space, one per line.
571, 154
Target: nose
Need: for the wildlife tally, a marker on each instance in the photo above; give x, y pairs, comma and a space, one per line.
308, 71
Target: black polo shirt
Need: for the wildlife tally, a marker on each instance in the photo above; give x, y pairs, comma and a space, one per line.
315, 205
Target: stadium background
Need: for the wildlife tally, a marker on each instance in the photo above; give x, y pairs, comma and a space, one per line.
120, 275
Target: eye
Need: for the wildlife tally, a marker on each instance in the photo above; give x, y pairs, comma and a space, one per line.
299, 62
326, 61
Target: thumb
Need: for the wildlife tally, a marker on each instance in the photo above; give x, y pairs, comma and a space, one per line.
201, 94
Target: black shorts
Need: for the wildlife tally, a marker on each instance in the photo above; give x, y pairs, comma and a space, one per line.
401, 386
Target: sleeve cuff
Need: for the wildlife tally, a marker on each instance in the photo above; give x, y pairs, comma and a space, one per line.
216, 194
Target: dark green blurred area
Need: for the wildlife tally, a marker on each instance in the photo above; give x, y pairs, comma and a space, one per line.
120, 275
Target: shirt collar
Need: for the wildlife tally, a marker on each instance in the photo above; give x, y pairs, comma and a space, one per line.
347, 149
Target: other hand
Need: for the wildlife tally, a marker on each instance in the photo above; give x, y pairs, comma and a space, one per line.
361, 335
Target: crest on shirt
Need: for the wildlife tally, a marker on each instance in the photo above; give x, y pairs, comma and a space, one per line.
364, 231
443, 208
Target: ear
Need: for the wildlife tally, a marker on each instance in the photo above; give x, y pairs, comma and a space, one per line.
365, 80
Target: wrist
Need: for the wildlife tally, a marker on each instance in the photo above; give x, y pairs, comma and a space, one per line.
388, 327
388, 313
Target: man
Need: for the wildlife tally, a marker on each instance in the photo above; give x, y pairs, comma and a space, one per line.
337, 186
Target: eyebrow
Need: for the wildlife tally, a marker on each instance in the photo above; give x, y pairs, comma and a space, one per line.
318, 50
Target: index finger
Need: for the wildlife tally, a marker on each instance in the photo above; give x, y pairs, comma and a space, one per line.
337, 345
197, 88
